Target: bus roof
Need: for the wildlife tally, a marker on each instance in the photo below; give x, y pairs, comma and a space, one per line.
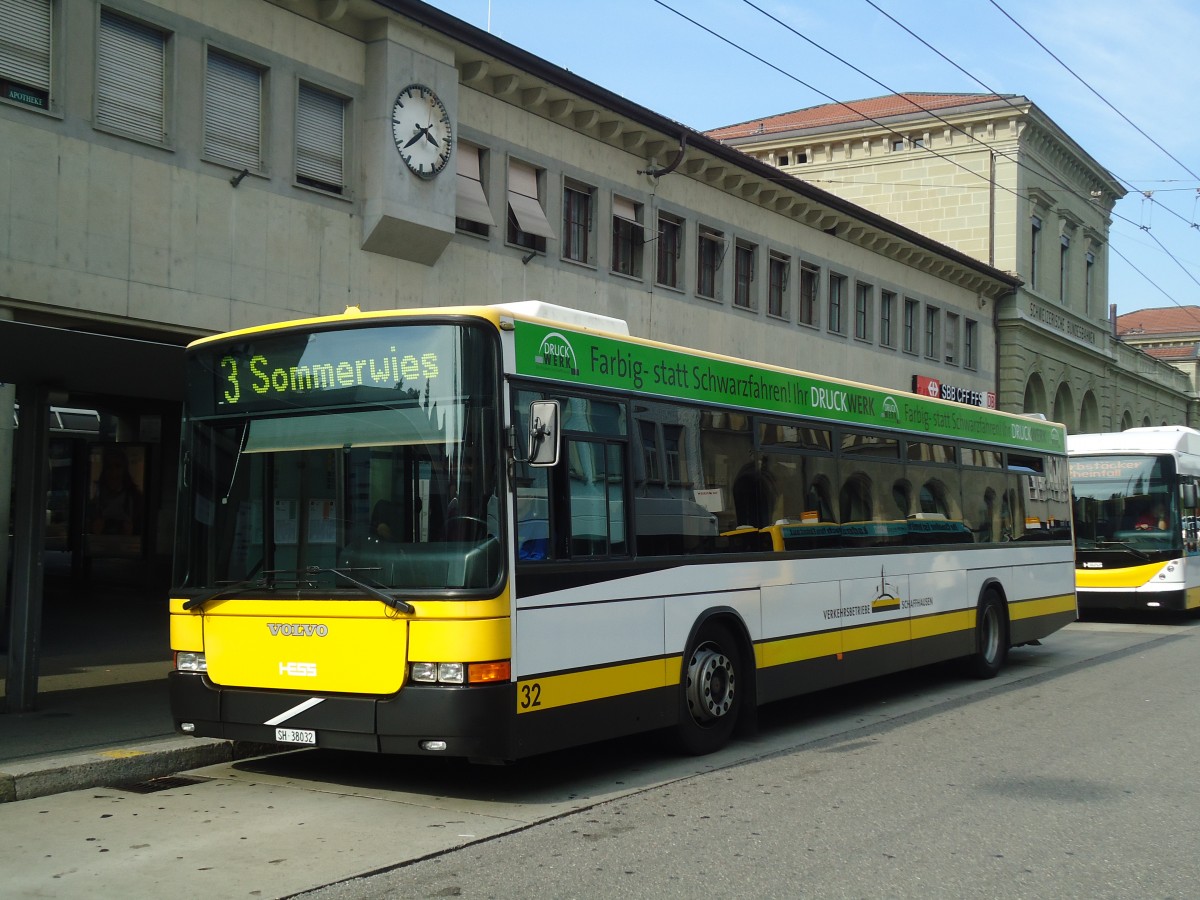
554, 341
1177, 440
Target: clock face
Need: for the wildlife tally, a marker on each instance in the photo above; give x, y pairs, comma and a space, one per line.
422, 130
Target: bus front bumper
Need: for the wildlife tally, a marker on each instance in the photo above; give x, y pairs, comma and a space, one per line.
472, 722
1175, 600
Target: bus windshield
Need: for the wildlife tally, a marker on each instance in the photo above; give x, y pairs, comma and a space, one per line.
318, 460
1125, 502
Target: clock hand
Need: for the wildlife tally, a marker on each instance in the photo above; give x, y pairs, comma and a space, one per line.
419, 132
429, 137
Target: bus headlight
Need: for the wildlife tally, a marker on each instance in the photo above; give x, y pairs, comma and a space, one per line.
438, 673
426, 673
460, 673
188, 661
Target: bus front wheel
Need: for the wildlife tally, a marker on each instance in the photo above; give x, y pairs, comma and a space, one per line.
991, 638
711, 691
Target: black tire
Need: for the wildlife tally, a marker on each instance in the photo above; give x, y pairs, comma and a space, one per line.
991, 638
711, 691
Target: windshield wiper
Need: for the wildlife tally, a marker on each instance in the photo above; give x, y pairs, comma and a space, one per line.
229, 590
266, 583
386, 599
1140, 554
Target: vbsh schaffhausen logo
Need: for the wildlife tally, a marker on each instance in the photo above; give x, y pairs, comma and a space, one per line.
556, 351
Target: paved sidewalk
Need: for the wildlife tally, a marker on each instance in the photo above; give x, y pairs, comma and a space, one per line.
108, 733
101, 716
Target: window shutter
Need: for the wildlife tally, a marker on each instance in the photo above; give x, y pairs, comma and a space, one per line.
131, 86
625, 209
471, 202
320, 144
232, 112
523, 200
25, 42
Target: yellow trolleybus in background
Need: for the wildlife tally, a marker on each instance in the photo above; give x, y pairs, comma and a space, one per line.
490, 532
1135, 505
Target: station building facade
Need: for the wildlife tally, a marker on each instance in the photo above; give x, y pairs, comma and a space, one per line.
170, 170
994, 177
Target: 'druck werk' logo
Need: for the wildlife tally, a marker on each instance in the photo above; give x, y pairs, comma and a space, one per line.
557, 351
891, 409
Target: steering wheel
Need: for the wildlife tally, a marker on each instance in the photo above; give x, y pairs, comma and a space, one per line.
465, 528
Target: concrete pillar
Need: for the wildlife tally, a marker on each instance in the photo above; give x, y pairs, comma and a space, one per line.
8, 399
29, 541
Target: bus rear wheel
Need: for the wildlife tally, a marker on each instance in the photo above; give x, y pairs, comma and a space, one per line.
991, 638
711, 691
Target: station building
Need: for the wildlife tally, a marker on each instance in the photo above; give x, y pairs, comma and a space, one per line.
169, 171
994, 177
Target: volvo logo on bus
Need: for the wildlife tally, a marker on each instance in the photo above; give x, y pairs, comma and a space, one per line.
296, 629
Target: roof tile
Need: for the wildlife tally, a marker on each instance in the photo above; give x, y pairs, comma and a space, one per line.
1163, 320
851, 111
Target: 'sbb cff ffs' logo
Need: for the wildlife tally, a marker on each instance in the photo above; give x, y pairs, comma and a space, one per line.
556, 351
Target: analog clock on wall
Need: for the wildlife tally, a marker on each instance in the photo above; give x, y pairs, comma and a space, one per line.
422, 130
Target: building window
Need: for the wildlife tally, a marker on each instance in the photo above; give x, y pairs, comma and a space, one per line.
1088, 274
1035, 235
897, 144
918, 143
952, 339
25, 52
911, 311
628, 237
970, 328
131, 78
887, 306
233, 112
777, 287
472, 212
528, 226
320, 140
932, 321
710, 250
670, 246
837, 297
743, 275
577, 222
810, 281
1064, 268
862, 311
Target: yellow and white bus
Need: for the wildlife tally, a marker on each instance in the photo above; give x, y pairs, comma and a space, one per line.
490, 532
1134, 495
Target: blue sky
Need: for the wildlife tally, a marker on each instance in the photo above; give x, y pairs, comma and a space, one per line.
1139, 57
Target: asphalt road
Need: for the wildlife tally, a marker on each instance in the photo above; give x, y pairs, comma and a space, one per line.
1068, 776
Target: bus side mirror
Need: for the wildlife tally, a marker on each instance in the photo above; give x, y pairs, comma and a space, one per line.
543, 433
1189, 495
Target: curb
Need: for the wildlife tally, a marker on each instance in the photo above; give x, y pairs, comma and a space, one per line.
112, 766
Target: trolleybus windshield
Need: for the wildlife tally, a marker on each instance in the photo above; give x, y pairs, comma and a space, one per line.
1125, 506
343, 460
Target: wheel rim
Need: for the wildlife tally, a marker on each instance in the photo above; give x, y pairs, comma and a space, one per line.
711, 684
989, 638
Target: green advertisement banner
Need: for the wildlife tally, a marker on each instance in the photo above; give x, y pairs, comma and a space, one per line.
586, 359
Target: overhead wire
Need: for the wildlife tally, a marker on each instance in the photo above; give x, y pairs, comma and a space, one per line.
1127, 182
890, 131
1098, 95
